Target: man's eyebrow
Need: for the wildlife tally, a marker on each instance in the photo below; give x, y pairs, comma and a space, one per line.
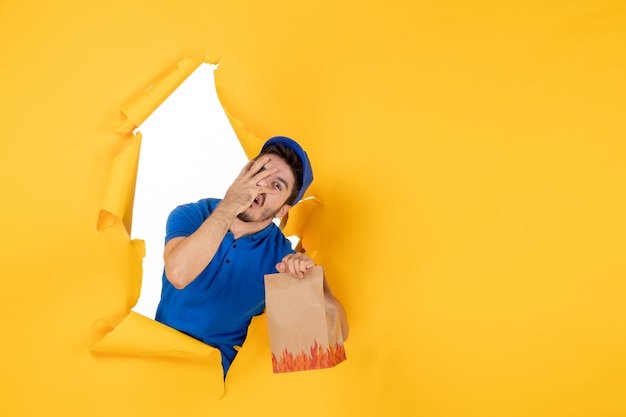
283, 181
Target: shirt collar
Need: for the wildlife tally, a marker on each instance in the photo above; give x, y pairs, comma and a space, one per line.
255, 236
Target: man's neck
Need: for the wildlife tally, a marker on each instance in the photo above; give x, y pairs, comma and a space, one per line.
240, 228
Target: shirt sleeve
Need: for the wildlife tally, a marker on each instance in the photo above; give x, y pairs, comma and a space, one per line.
185, 220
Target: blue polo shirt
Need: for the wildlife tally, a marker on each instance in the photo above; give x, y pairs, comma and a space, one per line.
219, 304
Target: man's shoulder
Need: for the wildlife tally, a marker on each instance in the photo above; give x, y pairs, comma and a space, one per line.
186, 218
203, 205
210, 203
195, 212
277, 238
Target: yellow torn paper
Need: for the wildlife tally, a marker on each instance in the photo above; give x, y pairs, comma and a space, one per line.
141, 106
119, 193
469, 157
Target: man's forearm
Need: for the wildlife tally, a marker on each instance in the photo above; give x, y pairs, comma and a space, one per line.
187, 257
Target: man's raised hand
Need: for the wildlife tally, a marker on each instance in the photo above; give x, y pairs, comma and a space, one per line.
249, 184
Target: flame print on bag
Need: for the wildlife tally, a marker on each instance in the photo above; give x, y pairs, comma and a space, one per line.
318, 358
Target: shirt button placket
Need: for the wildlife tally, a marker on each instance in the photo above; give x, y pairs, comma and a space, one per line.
234, 247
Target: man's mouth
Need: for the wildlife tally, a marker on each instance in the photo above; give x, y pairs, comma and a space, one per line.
258, 201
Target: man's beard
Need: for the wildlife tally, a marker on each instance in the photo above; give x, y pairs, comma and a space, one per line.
265, 215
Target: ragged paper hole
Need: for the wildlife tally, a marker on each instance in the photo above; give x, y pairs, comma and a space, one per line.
189, 152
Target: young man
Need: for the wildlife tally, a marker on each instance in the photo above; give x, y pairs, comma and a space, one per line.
218, 251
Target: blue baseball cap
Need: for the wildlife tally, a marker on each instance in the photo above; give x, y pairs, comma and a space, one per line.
307, 172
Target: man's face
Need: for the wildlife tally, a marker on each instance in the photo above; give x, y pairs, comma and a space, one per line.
268, 206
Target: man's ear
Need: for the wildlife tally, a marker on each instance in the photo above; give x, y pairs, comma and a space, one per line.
283, 210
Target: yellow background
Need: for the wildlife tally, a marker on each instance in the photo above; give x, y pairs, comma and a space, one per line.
469, 162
